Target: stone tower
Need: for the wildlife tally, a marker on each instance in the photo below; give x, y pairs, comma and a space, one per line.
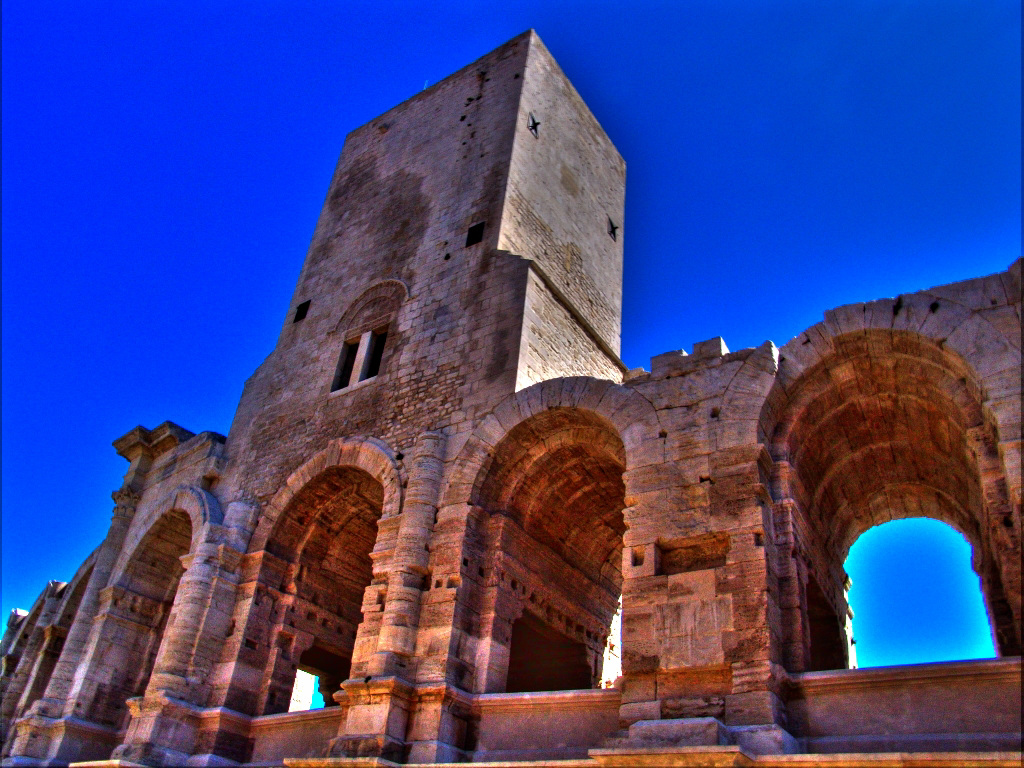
469, 246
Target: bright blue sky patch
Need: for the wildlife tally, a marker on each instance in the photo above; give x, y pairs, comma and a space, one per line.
915, 596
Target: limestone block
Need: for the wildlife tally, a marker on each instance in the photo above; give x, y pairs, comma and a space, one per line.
639, 710
846, 319
714, 347
752, 708
975, 293
688, 732
763, 740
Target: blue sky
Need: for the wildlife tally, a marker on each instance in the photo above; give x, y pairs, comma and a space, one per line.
164, 164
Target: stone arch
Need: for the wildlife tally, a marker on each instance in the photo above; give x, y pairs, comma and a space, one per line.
369, 454
135, 610
990, 353
542, 481
626, 411
72, 593
323, 544
200, 507
375, 306
865, 426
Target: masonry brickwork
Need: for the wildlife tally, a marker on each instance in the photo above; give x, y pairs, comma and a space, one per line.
442, 483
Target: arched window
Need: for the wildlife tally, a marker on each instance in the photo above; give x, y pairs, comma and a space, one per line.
915, 597
368, 339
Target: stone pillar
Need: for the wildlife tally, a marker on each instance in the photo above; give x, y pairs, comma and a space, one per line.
379, 705
397, 639
164, 724
441, 727
696, 640
37, 735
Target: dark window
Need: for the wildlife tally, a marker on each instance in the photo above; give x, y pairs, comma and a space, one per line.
375, 353
543, 659
345, 365
301, 311
475, 234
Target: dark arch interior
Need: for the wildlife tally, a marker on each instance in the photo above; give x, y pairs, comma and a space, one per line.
554, 493
325, 535
544, 659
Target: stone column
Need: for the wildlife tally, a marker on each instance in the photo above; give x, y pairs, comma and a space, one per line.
164, 723
397, 639
36, 736
379, 706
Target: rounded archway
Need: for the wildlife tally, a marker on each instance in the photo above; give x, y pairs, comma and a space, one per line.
550, 501
889, 425
135, 614
316, 567
915, 597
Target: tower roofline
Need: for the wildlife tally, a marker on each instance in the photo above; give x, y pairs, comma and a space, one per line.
529, 35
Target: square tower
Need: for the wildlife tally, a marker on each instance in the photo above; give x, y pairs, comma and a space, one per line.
470, 245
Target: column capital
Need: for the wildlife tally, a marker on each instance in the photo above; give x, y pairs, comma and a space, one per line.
125, 502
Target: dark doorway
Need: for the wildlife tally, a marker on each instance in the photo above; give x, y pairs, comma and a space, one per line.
828, 641
543, 659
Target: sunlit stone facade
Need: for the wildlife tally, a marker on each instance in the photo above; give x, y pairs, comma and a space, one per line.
442, 482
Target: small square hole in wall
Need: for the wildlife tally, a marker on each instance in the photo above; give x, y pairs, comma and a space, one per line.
475, 234
301, 311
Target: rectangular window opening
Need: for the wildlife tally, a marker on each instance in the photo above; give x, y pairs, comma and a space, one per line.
475, 234
345, 365
301, 311
375, 354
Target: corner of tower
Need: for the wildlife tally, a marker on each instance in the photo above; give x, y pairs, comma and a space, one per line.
563, 212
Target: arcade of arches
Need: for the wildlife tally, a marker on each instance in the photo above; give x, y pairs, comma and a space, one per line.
453, 593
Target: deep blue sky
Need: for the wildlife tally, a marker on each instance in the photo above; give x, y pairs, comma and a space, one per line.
164, 164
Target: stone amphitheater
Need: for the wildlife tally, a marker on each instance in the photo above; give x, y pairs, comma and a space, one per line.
443, 483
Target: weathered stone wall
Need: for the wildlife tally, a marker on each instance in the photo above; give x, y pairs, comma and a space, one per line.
566, 183
555, 344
